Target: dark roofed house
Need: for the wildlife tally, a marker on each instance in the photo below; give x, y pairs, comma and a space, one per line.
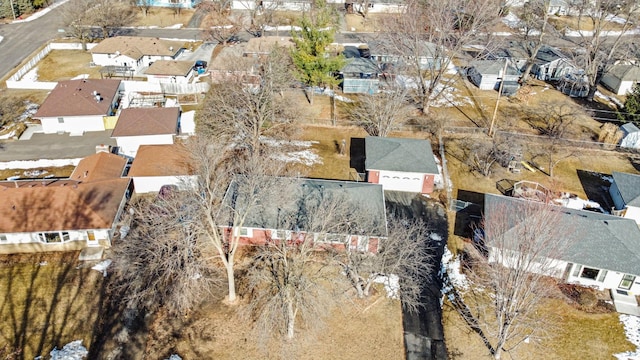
603, 251
64, 214
401, 164
170, 71
76, 106
487, 74
283, 214
145, 126
360, 75
625, 192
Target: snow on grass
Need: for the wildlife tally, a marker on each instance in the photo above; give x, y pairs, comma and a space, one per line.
632, 330
31, 75
512, 21
443, 95
41, 163
391, 285
610, 99
452, 266
295, 151
80, 77
71, 351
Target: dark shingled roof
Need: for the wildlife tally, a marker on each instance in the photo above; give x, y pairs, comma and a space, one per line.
629, 187
604, 241
76, 98
398, 154
147, 121
291, 194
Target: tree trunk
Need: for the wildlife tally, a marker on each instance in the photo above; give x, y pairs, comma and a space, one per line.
527, 73
333, 108
231, 281
291, 318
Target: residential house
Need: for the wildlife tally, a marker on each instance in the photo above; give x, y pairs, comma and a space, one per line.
630, 136
603, 251
64, 214
280, 5
621, 78
145, 126
487, 75
76, 106
183, 4
374, 6
284, 215
625, 192
428, 55
401, 164
558, 8
134, 52
157, 165
550, 63
360, 75
170, 71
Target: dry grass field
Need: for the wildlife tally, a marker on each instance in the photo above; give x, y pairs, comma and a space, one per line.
163, 17
66, 64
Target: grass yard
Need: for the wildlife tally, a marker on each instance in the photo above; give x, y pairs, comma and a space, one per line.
63, 171
163, 17
47, 302
66, 64
579, 335
327, 141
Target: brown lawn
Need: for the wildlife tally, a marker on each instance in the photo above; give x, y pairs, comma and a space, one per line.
66, 64
163, 17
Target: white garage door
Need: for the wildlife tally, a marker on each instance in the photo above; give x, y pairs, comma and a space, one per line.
409, 182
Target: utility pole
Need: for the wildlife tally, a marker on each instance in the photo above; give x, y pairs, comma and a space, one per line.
495, 111
13, 10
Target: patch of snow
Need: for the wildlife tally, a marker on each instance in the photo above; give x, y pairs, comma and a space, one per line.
391, 285
512, 21
306, 157
435, 237
80, 77
102, 267
174, 357
612, 100
32, 164
71, 351
616, 19
31, 75
275, 142
452, 266
444, 96
632, 331
8, 135
1, 38
176, 26
31, 109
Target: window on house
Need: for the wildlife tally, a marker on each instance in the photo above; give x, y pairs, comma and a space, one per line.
91, 236
60, 120
626, 282
281, 234
576, 270
245, 232
65, 236
52, 237
602, 275
3, 238
589, 273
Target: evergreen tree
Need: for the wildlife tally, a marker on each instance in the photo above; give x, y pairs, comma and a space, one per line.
631, 110
316, 67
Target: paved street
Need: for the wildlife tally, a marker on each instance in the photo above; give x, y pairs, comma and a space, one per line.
54, 146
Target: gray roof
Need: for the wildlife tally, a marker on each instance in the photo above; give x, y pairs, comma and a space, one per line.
360, 65
493, 67
625, 72
516, 50
381, 47
596, 240
398, 154
289, 203
629, 128
629, 187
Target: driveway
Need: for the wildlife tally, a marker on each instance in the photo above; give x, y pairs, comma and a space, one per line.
54, 146
423, 331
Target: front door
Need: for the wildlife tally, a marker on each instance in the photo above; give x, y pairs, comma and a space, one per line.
91, 239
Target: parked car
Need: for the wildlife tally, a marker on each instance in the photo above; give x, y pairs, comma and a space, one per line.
200, 66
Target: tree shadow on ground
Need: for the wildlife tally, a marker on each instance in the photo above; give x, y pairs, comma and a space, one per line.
596, 187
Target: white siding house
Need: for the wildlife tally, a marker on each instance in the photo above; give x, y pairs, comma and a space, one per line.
487, 74
145, 126
622, 78
77, 106
401, 164
134, 52
159, 165
602, 251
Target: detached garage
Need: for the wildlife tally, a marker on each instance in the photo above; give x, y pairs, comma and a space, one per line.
401, 164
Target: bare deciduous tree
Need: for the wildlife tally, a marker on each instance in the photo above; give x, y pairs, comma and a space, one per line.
552, 152
162, 261
601, 46
404, 254
248, 112
77, 16
219, 24
426, 34
378, 114
110, 15
519, 242
534, 19
552, 118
